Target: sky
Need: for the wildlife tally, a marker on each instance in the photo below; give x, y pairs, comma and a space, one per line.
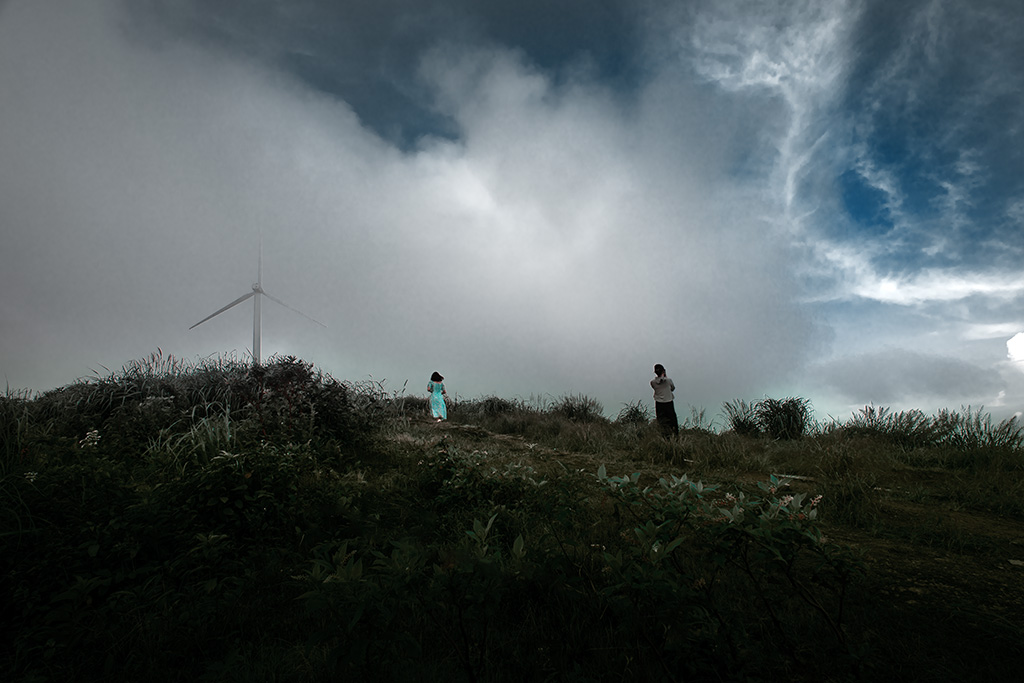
536, 199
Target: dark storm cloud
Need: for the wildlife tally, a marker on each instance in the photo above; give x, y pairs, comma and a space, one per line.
368, 53
901, 376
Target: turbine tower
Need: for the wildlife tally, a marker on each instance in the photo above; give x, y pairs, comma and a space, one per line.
257, 293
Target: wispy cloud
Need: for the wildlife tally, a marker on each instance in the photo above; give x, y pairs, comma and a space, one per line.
794, 51
931, 285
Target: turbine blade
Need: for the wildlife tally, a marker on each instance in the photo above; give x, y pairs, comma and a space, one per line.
233, 303
290, 308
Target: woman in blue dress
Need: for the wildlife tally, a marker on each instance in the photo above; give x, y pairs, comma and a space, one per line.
437, 395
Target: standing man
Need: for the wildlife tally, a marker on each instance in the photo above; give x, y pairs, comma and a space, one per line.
664, 408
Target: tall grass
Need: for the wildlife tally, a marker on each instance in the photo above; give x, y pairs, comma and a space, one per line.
787, 418
15, 413
968, 430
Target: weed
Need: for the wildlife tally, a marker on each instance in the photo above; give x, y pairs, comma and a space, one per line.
634, 414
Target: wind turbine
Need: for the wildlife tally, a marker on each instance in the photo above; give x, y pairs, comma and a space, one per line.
256, 293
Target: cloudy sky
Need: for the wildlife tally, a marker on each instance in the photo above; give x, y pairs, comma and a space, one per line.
785, 198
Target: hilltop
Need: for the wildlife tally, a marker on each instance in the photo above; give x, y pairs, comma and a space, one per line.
226, 522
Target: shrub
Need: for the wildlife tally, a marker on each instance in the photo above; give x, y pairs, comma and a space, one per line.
786, 418
578, 408
492, 406
742, 417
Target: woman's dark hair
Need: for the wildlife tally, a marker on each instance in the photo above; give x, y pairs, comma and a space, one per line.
436, 377
659, 369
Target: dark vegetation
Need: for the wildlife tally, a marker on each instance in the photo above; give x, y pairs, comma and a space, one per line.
222, 522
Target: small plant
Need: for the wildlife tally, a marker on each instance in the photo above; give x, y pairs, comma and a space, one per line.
697, 420
638, 413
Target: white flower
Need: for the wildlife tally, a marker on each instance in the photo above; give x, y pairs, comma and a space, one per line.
91, 439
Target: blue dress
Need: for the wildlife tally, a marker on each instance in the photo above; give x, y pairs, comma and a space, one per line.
437, 406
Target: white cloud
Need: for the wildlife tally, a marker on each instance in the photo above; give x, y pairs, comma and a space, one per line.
564, 243
938, 285
1015, 350
976, 331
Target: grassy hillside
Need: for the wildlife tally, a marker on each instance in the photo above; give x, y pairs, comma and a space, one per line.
227, 523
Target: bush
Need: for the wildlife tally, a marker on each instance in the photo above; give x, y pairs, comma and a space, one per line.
578, 408
742, 417
786, 418
492, 406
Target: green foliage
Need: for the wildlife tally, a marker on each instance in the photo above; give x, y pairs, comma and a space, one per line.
578, 408
697, 421
634, 414
967, 439
974, 431
742, 417
786, 418
696, 550
460, 486
493, 405
907, 429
